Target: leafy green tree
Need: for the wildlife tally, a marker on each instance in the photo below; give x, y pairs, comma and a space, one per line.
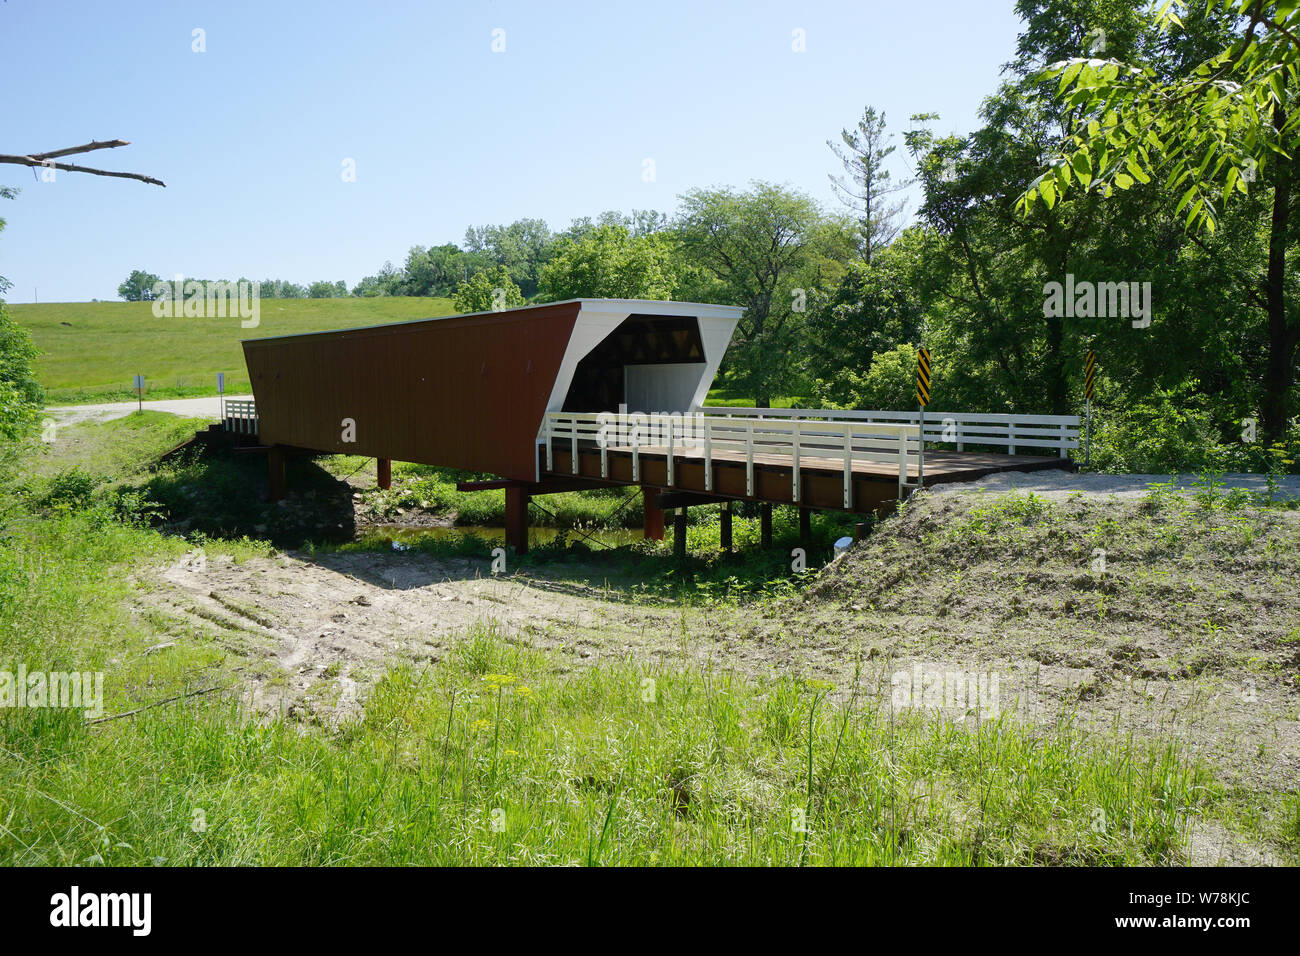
888, 384
21, 395
608, 262
877, 306
491, 290
138, 286
323, 289
388, 281
1225, 127
522, 247
754, 249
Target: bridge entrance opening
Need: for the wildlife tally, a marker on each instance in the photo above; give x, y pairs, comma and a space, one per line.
648, 363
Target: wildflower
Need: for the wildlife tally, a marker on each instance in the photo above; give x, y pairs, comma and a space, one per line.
482, 724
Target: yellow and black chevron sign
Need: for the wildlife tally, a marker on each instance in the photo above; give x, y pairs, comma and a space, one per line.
1089, 374
923, 377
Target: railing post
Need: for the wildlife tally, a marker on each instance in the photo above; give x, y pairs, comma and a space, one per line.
794, 455
603, 440
749, 459
546, 432
902, 463
1064, 438
848, 464
573, 442
636, 452
671, 482
708, 453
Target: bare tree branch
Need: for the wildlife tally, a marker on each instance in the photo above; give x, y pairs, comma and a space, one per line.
95, 144
45, 160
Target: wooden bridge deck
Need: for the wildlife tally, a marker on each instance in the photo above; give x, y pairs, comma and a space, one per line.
821, 478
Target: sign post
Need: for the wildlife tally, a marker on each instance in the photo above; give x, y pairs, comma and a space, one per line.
221, 395
1089, 376
139, 391
922, 400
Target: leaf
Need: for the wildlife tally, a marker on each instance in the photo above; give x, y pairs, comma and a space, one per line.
1048, 191
1082, 163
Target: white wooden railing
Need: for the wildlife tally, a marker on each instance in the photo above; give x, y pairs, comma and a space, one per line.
949, 428
704, 435
241, 417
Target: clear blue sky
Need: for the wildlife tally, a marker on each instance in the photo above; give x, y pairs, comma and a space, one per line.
250, 136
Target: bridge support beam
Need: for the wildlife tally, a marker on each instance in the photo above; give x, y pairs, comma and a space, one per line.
517, 518
765, 525
385, 469
725, 528
653, 521
805, 525
679, 534
275, 473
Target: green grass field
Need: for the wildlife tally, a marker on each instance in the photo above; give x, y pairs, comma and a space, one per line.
502, 753
91, 350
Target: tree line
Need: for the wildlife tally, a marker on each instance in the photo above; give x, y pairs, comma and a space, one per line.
1057, 191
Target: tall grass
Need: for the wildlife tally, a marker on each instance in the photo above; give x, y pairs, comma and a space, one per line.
498, 755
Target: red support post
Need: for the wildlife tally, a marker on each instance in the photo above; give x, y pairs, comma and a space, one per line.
385, 468
653, 520
517, 519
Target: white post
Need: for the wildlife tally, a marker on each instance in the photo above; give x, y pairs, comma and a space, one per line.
546, 433
848, 464
794, 449
749, 459
636, 452
573, 441
708, 454
670, 450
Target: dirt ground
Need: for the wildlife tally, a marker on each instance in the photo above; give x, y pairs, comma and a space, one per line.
1189, 634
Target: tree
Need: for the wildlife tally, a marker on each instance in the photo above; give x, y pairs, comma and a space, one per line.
388, 281
439, 269
21, 394
491, 290
877, 306
138, 286
751, 247
608, 262
323, 289
1208, 134
522, 247
865, 187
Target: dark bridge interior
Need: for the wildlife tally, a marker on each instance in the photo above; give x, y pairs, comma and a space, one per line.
640, 340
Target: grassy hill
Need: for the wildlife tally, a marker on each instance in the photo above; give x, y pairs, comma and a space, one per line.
91, 350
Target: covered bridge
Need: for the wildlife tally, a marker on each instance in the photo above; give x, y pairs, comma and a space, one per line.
594, 392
